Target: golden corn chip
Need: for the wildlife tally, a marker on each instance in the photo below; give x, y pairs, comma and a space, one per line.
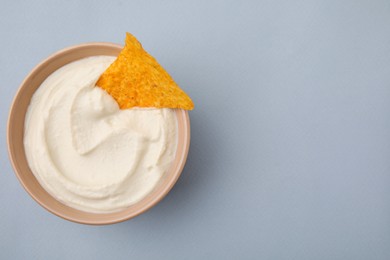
135, 79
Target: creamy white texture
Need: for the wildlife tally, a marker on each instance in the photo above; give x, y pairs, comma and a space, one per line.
88, 153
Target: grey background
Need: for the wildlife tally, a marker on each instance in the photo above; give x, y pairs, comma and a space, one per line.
290, 135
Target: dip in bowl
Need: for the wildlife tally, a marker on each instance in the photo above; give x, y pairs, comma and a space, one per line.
82, 158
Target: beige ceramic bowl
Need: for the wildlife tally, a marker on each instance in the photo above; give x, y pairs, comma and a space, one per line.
18, 159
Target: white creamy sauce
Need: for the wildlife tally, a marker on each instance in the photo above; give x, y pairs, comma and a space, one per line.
88, 153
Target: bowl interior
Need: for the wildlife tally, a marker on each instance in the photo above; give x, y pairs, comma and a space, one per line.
15, 133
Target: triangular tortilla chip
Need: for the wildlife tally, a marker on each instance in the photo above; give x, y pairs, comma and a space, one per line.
135, 79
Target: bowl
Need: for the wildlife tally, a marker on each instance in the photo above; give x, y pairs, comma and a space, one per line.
15, 133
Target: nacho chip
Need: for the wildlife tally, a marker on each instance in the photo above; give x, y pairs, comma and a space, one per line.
135, 79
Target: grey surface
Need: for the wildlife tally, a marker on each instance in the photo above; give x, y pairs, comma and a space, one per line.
290, 135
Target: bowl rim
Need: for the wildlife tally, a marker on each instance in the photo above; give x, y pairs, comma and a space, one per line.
155, 200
